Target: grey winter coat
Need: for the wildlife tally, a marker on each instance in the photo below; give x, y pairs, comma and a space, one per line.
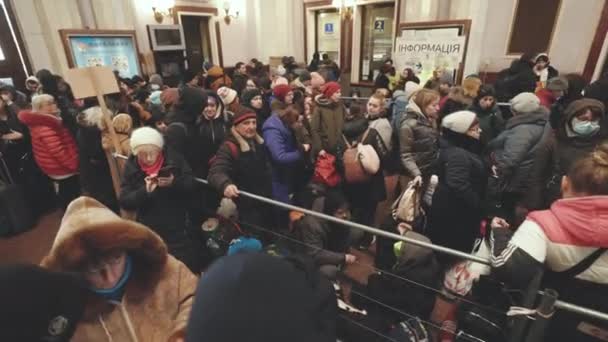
418, 144
514, 149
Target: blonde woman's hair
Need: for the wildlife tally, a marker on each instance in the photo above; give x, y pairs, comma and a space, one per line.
424, 97
40, 100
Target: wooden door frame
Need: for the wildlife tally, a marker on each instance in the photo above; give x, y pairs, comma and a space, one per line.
597, 44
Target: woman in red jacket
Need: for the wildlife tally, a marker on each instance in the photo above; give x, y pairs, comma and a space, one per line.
54, 147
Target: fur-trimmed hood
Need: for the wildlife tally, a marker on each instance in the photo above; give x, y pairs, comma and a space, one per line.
91, 117
89, 227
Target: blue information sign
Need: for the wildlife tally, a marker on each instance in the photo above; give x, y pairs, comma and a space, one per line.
119, 53
379, 25
329, 27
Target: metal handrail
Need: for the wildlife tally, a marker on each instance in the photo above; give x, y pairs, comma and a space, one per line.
558, 304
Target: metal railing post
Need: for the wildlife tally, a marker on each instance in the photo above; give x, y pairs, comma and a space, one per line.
544, 312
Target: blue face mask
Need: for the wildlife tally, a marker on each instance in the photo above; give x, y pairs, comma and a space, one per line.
115, 293
585, 128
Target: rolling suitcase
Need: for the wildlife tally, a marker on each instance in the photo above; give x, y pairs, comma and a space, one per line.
15, 214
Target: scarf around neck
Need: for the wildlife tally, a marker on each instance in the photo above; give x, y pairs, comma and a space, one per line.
152, 170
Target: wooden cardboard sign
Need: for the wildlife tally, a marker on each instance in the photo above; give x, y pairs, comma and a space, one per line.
91, 81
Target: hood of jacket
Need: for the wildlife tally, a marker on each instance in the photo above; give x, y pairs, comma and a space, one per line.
565, 131
581, 221
218, 102
518, 66
88, 227
31, 119
191, 103
538, 117
457, 94
257, 291
412, 255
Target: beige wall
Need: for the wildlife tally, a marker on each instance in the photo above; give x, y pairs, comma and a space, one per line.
268, 28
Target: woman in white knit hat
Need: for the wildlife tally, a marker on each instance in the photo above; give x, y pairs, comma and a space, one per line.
457, 203
157, 183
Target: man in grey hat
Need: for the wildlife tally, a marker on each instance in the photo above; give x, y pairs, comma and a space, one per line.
513, 150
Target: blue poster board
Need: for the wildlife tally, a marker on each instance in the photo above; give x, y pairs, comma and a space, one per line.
117, 52
329, 27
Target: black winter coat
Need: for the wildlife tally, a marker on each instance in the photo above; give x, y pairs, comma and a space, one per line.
518, 78
165, 209
491, 122
245, 164
514, 149
95, 176
374, 189
210, 135
458, 200
326, 243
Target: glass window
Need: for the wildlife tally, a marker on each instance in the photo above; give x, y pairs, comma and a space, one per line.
328, 33
376, 40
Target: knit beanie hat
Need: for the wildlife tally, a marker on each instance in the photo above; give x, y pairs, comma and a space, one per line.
248, 95
244, 245
146, 136
156, 79
281, 91
227, 95
486, 90
242, 114
460, 121
525, 103
330, 88
557, 83
38, 304
215, 71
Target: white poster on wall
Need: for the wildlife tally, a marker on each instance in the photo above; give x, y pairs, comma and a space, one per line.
427, 51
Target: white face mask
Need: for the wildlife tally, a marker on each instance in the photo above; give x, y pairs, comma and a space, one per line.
585, 128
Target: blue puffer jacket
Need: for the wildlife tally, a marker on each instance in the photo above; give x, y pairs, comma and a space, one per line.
284, 155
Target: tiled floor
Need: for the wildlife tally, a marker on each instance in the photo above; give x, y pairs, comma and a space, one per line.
32, 245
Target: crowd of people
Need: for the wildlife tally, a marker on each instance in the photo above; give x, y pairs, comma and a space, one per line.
146, 216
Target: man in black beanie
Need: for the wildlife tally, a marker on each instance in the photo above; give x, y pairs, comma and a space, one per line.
39, 305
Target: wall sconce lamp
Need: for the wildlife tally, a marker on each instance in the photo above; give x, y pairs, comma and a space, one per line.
346, 7
162, 9
228, 17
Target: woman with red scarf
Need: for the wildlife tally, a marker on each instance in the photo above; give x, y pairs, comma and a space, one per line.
156, 184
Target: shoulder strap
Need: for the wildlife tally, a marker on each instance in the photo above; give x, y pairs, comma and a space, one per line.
234, 150
583, 265
365, 135
346, 141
